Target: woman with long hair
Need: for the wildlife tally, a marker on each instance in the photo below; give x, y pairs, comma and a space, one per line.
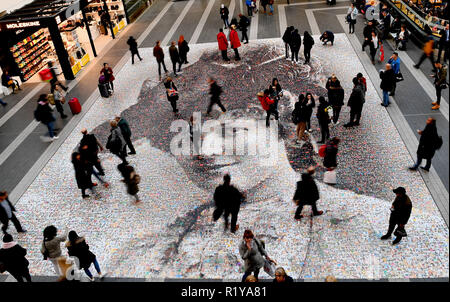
308, 43
310, 104
51, 248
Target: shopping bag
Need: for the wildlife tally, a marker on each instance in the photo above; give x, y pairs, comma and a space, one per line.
322, 150
269, 268
329, 177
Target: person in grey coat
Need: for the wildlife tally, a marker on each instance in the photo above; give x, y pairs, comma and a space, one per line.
51, 248
116, 143
252, 251
126, 133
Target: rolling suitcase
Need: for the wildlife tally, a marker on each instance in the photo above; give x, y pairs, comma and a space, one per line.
104, 90
75, 106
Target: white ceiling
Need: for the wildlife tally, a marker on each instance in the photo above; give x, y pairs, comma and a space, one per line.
11, 5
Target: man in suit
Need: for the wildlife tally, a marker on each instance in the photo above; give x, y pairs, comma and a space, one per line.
7, 213
444, 43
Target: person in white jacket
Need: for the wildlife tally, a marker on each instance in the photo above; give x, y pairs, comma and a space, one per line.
352, 13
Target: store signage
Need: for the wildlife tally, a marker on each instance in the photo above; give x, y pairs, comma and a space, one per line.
22, 24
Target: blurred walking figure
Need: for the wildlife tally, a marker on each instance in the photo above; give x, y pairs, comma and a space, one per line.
307, 193
131, 180
133, 49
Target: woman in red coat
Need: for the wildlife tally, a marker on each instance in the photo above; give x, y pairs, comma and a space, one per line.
223, 44
268, 105
235, 42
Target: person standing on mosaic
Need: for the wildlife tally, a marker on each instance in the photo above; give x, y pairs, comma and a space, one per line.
244, 23
215, 91
224, 15
12, 255
174, 57
356, 103
223, 44
77, 247
89, 148
133, 49
400, 212
352, 13
116, 143
51, 246
171, 93
82, 176
126, 133
296, 43
131, 180
310, 104
331, 151
235, 42
7, 214
306, 193
394, 60
308, 43
252, 251
158, 53
227, 201
287, 37
268, 104
335, 96
429, 142
183, 49
387, 83
300, 116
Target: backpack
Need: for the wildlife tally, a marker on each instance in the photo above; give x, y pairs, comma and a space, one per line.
37, 115
439, 142
323, 150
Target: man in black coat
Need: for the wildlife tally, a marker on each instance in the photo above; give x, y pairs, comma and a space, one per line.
296, 43
387, 83
89, 148
331, 151
400, 213
44, 115
228, 201
287, 36
367, 32
244, 23
126, 133
335, 96
12, 256
428, 144
444, 43
307, 193
356, 103
7, 213
174, 57
133, 49
215, 91
224, 15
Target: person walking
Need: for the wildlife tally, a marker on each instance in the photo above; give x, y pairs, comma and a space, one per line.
374, 44
400, 212
89, 148
8, 81
335, 97
352, 13
183, 49
82, 175
401, 38
227, 200
158, 53
59, 101
387, 83
215, 91
7, 214
107, 72
116, 143
394, 60
244, 23
440, 82
308, 43
224, 15
252, 251
367, 33
133, 49
223, 44
54, 81
296, 43
428, 52
175, 58
131, 180
287, 38
444, 43
306, 193
12, 255
268, 104
77, 247
429, 142
171, 93
330, 159
51, 246
324, 119
356, 103
281, 276
235, 42
43, 114
126, 133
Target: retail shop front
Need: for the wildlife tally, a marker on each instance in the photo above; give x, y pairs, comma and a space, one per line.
69, 33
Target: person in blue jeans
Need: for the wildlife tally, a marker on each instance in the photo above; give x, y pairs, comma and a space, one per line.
44, 115
3, 103
387, 82
394, 60
271, 7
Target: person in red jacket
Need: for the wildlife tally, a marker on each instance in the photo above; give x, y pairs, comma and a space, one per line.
223, 44
268, 105
235, 42
158, 53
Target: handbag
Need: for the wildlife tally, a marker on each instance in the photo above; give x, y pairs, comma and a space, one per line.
399, 77
329, 177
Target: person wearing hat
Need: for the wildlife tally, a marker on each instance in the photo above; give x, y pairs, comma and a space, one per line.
235, 42
400, 212
13, 257
224, 15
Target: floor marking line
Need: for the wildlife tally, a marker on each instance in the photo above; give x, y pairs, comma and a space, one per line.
155, 21
312, 19
202, 22
254, 25
177, 23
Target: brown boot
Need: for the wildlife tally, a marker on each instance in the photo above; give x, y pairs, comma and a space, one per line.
436, 107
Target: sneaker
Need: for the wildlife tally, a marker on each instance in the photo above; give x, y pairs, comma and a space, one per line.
101, 276
91, 279
309, 130
425, 168
384, 237
235, 229
54, 138
435, 107
357, 124
318, 213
